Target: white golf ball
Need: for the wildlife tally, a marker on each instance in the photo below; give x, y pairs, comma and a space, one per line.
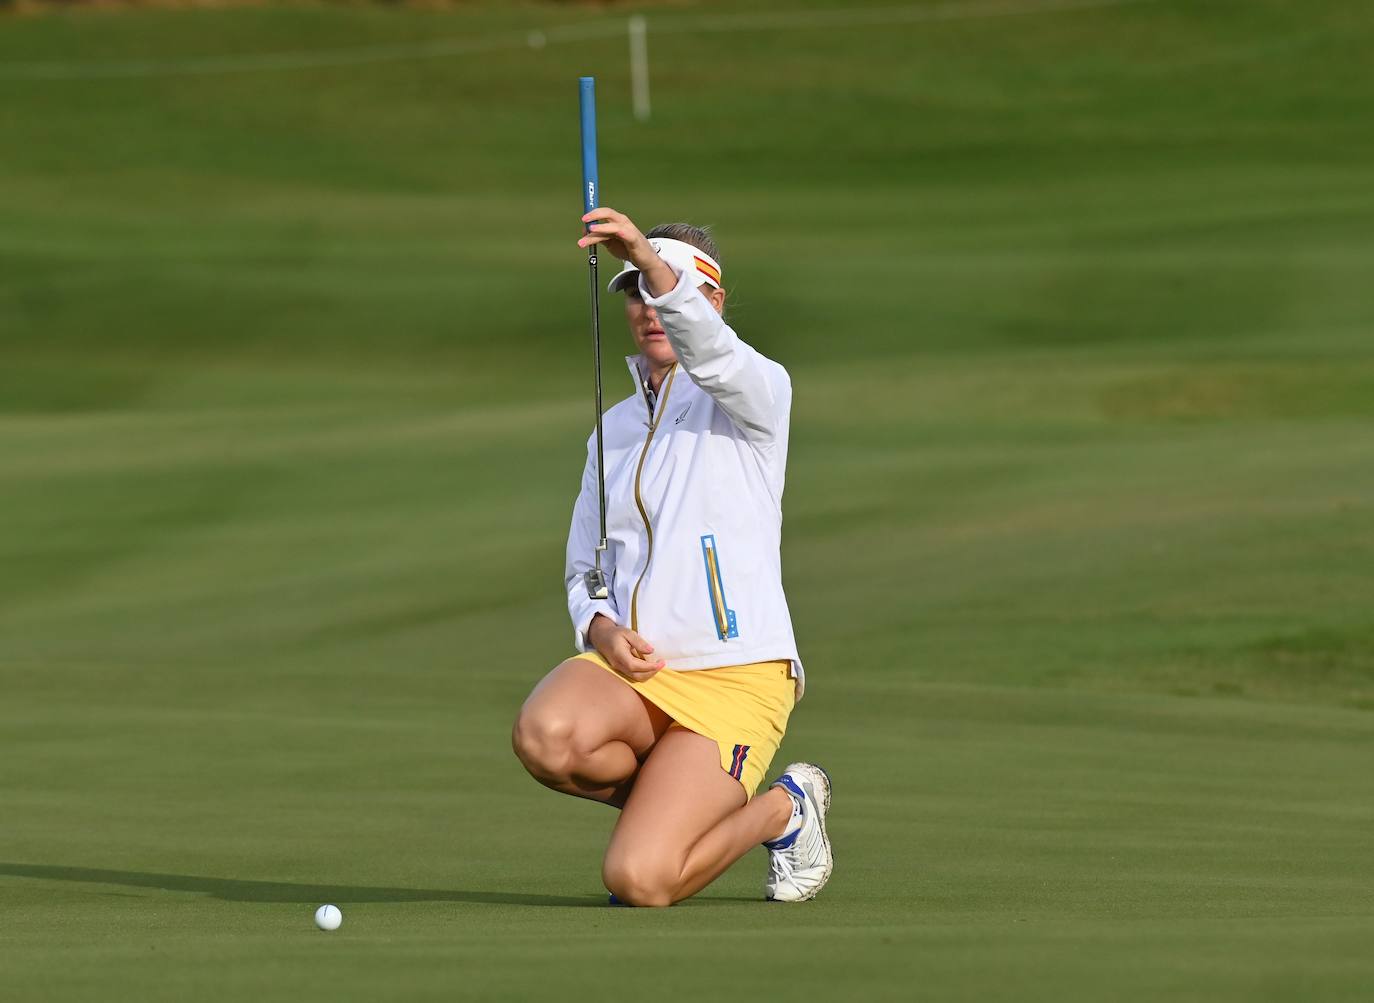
328, 917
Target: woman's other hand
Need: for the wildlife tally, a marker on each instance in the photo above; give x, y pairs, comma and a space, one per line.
624, 650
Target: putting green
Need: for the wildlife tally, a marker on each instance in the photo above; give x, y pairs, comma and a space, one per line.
1080, 513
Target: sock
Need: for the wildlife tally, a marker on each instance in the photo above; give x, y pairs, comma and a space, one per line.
794, 824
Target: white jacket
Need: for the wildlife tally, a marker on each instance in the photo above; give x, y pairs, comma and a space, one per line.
693, 501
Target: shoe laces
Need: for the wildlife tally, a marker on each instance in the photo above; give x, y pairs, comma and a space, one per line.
780, 869
781, 866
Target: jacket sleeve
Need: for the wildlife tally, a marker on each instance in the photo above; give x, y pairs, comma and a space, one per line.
583, 537
753, 390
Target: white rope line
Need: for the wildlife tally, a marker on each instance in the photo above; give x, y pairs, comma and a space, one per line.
443, 48
298, 60
869, 16
438, 48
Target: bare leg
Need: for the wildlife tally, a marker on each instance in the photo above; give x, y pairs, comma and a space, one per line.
584, 732
763, 818
685, 822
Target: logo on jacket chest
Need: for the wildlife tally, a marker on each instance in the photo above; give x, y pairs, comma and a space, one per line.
683, 416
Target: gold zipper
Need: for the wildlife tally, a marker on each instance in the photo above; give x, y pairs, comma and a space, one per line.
639, 502
717, 594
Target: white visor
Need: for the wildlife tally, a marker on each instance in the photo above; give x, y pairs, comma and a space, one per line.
682, 256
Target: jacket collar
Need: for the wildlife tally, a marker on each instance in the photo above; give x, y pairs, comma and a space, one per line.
633, 362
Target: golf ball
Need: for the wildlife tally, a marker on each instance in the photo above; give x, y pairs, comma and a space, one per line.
328, 917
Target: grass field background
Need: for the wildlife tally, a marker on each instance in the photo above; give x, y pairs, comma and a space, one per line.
1079, 523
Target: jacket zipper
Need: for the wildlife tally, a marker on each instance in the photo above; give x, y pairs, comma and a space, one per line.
717, 591
654, 419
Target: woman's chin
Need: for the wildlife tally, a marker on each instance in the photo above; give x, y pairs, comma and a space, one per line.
659, 351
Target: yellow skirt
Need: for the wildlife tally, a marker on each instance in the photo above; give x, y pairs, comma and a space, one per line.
742, 708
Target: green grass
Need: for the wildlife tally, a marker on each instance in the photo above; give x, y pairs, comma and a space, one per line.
1080, 513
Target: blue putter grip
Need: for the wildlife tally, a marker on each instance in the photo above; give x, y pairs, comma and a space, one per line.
591, 184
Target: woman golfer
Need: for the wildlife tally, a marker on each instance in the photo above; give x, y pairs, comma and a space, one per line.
688, 669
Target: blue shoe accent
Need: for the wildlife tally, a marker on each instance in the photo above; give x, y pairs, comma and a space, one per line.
792, 788
785, 843
612, 900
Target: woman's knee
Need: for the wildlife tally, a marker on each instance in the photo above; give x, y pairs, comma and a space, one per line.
638, 879
543, 742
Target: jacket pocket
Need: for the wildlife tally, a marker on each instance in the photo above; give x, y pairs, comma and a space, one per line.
724, 617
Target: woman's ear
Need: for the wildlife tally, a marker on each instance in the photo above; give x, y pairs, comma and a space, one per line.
717, 298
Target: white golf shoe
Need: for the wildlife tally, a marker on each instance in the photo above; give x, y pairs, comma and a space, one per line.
800, 861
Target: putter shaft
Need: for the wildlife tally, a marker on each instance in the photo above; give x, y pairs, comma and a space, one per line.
595, 579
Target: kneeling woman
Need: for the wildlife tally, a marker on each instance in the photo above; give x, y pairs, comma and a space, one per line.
688, 670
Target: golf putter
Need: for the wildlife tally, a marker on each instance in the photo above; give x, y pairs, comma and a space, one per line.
595, 579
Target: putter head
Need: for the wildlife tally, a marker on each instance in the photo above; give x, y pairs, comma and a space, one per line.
595, 580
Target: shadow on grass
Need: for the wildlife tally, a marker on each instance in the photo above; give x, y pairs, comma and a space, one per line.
237, 890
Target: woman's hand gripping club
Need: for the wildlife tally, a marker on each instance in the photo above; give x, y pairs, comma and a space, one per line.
623, 239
